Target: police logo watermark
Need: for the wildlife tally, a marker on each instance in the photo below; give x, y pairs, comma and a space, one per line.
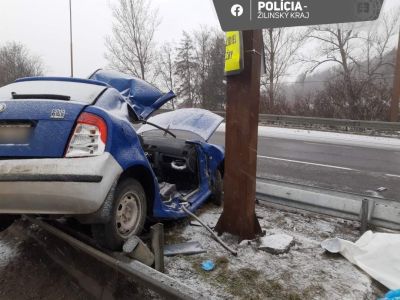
368, 9
258, 14
282, 10
237, 10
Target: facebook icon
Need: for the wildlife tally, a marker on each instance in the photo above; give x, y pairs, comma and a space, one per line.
237, 10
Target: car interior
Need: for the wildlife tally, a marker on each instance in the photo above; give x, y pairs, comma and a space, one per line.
175, 163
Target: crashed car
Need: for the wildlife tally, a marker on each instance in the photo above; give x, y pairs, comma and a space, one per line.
88, 149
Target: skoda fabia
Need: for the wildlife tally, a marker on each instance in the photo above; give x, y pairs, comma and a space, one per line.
88, 149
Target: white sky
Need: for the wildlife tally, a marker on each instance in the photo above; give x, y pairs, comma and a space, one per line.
43, 26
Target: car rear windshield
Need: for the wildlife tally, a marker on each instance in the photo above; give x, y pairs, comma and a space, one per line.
74, 91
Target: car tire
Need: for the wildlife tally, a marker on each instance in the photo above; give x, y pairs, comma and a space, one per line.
217, 189
127, 218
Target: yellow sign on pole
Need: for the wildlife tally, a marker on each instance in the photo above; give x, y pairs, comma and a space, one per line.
233, 53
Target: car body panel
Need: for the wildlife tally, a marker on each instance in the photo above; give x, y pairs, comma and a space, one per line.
143, 97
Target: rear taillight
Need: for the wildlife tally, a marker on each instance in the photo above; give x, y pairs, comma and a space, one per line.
89, 137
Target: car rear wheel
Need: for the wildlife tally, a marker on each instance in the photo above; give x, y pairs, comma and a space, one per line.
217, 189
128, 215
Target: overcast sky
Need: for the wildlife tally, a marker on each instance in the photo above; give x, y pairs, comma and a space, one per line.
43, 26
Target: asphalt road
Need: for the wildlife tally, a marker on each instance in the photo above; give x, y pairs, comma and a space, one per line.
341, 167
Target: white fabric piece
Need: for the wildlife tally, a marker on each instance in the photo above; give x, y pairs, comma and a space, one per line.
378, 254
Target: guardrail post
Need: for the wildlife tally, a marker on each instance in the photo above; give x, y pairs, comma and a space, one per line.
157, 244
364, 216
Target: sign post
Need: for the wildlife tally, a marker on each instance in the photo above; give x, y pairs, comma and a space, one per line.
242, 66
243, 101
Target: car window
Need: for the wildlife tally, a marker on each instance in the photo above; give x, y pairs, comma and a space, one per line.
77, 91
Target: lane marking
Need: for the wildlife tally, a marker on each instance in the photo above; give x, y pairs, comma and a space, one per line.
306, 163
328, 145
393, 175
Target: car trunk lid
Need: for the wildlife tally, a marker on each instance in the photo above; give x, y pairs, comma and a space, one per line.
37, 115
36, 128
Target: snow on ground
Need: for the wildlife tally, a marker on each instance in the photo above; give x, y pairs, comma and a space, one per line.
8, 251
306, 272
326, 137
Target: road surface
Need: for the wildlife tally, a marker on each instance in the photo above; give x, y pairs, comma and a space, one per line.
346, 168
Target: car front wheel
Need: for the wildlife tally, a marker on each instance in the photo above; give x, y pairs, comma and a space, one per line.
128, 215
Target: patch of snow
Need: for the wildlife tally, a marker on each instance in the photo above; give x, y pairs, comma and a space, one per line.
326, 137
304, 268
7, 253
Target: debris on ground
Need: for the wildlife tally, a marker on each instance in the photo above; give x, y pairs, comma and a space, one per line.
207, 265
136, 249
305, 272
375, 253
381, 189
276, 243
195, 223
392, 295
187, 248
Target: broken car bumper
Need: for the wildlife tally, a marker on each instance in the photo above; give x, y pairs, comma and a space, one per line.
56, 186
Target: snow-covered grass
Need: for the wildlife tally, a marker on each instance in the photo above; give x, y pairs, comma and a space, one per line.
306, 272
326, 137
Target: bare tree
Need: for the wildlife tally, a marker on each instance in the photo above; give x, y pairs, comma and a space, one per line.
17, 62
166, 68
199, 68
202, 43
131, 47
360, 56
185, 70
281, 48
214, 84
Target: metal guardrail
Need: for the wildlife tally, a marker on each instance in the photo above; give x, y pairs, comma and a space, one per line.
381, 212
326, 123
342, 124
142, 274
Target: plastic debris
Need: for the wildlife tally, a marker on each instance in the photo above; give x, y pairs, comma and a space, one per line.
207, 265
375, 253
392, 295
183, 248
381, 189
195, 223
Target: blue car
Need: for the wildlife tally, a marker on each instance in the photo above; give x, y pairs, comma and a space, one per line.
88, 149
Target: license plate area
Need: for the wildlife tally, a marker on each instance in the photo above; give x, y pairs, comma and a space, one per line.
15, 132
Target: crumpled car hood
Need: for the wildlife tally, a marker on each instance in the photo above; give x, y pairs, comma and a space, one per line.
143, 97
201, 122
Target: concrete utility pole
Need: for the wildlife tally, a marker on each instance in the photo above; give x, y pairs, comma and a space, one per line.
243, 99
394, 105
70, 38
